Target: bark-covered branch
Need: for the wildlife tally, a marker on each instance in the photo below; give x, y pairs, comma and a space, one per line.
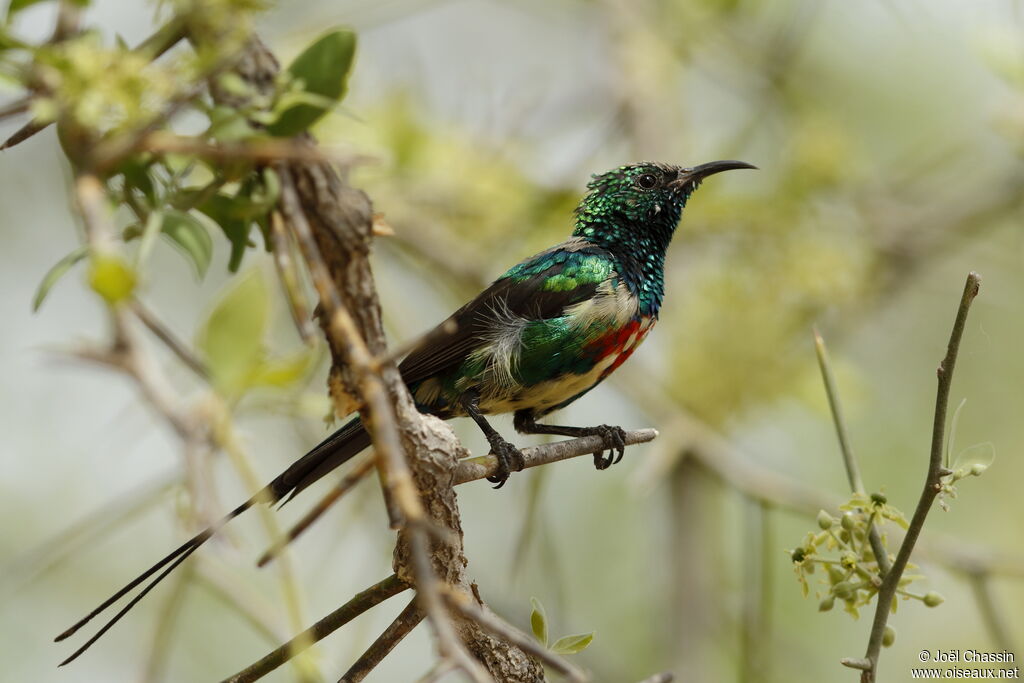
361, 602
332, 224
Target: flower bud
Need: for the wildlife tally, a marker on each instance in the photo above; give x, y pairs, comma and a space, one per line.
843, 590
879, 499
825, 520
848, 521
798, 555
826, 604
933, 599
977, 469
888, 636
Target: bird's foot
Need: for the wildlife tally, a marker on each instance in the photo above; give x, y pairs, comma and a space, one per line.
614, 441
510, 459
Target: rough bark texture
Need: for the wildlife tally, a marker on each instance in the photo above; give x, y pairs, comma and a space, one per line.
340, 218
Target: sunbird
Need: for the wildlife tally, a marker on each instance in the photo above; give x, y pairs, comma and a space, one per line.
539, 337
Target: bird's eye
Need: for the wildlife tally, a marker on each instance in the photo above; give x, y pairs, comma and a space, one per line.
647, 181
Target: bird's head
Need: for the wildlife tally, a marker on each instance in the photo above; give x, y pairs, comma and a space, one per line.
643, 200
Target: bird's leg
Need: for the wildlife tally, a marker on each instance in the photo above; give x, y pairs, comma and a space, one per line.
614, 437
509, 457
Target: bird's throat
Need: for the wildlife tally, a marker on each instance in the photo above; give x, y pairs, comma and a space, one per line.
639, 249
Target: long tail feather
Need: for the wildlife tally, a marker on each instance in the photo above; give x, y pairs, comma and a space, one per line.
334, 451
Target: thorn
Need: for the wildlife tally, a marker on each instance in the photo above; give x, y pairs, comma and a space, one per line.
380, 227
856, 663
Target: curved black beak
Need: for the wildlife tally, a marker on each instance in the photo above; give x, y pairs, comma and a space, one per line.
695, 174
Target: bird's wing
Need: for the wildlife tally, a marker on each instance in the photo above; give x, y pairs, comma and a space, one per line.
539, 288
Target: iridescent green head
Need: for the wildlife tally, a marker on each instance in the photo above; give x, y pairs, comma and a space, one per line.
632, 200
632, 211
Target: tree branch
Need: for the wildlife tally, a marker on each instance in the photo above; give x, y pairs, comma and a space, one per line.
932, 484
404, 623
545, 454
361, 602
468, 606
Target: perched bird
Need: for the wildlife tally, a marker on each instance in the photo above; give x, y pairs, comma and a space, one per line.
543, 334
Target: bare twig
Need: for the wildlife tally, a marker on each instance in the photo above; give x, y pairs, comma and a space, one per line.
347, 483
289, 277
545, 454
849, 460
932, 484
154, 325
361, 602
404, 623
265, 150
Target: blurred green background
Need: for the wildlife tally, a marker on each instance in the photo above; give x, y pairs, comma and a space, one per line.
889, 138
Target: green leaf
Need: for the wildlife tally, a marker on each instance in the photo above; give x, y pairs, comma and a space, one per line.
229, 213
570, 645
323, 70
136, 174
227, 124
189, 235
539, 622
56, 273
231, 340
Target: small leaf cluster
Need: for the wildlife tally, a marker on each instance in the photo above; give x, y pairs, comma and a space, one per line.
566, 645
840, 549
108, 99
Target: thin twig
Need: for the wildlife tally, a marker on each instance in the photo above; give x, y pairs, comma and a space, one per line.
264, 150
404, 623
465, 604
225, 436
932, 483
360, 602
545, 454
298, 307
347, 483
849, 460
381, 421
154, 325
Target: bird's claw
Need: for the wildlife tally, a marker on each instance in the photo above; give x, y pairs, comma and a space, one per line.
614, 441
509, 459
